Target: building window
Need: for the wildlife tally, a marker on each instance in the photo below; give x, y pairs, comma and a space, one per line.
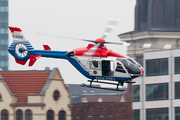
4, 115
177, 113
56, 95
62, 115
84, 100
28, 115
136, 114
140, 59
50, 115
136, 93
100, 100
177, 65
157, 114
19, 115
156, 67
0, 98
177, 90
157, 91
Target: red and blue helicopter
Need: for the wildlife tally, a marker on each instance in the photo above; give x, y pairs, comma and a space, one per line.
95, 61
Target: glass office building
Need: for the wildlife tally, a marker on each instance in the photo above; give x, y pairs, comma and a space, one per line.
4, 34
156, 95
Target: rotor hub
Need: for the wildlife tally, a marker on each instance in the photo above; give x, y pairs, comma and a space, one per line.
21, 50
100, 40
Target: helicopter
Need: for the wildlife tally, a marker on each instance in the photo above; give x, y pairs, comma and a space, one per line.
96, 61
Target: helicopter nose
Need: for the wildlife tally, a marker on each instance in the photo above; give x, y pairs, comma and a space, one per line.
142, 71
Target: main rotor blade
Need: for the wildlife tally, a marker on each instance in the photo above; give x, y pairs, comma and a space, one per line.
110, 26
92, 50
48, 34
145, 45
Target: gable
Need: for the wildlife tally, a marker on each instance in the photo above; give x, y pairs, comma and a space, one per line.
22, 83
57, 75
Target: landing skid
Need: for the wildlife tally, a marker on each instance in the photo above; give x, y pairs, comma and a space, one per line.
130, 82
117, 84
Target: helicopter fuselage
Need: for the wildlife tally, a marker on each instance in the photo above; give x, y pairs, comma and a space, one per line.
113, 67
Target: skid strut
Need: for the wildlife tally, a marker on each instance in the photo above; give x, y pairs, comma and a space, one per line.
91, 81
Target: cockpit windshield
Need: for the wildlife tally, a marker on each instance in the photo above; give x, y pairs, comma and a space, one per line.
130, 65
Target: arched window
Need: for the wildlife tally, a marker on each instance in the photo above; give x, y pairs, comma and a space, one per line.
19, 115
62, 115
28, 115
4, 115
50, 115
56, 95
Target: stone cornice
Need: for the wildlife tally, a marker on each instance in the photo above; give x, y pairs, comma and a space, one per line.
131, 36
27, 104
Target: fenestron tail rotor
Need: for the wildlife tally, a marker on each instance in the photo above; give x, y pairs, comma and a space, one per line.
21, 50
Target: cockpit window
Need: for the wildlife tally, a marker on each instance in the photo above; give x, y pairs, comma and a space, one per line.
131, 61
119, 68
95, 63
130, 65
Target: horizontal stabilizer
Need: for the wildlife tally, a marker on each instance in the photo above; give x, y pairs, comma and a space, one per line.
22, 62
46, 47
33, 59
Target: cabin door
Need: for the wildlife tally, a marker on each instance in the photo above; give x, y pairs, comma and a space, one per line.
107, 68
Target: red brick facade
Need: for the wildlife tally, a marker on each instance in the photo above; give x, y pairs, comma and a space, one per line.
104, 110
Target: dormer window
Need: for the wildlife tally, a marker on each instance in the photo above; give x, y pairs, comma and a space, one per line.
56, 95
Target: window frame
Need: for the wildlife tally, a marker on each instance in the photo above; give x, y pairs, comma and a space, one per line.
1, 100
139, 112
56, 96
17, 115
53, 115
139, 93
64, 115
28, 114
158, 110
176, 110
6, 114
175, 91
157, 70
175, 65
155, 99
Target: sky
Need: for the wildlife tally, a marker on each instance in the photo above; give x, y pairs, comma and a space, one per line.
85, 19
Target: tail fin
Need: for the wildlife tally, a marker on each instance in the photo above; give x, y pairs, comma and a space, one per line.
20, 48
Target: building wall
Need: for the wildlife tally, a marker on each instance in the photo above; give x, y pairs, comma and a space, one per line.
155, 37
171, 78
6, 100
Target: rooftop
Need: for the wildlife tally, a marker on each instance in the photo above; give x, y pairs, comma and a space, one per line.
75, 89
22, 83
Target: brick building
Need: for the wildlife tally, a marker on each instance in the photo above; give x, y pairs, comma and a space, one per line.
104, 110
